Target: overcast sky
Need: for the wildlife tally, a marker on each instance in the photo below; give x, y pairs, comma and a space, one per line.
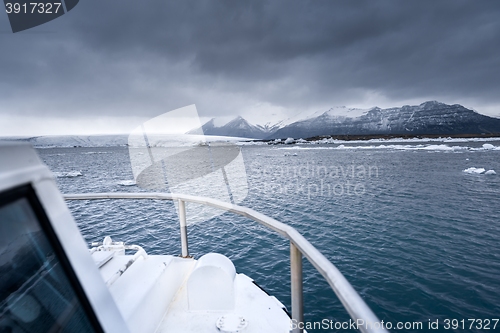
108, 65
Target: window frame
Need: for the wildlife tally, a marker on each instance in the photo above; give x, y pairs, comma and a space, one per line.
27, 192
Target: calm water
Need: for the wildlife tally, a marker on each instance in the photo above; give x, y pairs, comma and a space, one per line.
416, 236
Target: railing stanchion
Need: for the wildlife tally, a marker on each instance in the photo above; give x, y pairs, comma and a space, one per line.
183, 225
297, 294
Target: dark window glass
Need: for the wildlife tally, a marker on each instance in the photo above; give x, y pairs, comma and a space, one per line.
35, 292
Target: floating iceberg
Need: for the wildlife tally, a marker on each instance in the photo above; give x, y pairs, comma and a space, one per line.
395, 147
400, 147
480, 171
403, 140
69, 174
326, 141
440, 147
127, 183
475, 170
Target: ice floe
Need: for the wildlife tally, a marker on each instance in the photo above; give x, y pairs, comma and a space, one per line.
479, 171
474, 170
251, 143
396, 147
488, 146
428, 147
69, 174
393, 140
408, 140
127, 183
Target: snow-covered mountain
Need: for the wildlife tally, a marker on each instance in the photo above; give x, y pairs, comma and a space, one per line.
427, 118
338, 111
237, 127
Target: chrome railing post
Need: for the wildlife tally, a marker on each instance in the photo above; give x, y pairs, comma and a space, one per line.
183, 225
297, 293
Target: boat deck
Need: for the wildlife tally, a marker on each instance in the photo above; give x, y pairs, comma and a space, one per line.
158, 287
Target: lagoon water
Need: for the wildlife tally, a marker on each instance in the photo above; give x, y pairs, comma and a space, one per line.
417, 237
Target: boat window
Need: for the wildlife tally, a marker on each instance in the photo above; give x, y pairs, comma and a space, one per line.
36, 294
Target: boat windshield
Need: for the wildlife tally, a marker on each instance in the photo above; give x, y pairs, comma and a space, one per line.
36, 292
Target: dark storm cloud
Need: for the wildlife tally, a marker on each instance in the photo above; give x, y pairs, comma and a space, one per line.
143, 58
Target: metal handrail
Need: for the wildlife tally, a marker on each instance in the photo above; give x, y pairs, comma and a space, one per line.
361, 314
